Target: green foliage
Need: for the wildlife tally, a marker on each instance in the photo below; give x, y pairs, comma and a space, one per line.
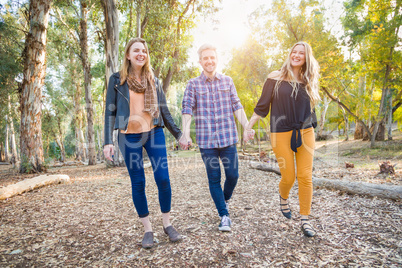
371, 34
26, 165
372, 31
12, 32
248, 69
279, 27
168, 31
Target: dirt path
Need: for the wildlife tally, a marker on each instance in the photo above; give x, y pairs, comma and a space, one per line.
91, 222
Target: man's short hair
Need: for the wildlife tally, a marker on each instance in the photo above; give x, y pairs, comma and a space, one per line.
205, 47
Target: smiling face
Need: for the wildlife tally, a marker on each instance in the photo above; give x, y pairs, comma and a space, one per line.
208, 61
137, 55
298, 56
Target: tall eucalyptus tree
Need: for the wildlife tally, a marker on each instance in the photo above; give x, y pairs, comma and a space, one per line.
33, 81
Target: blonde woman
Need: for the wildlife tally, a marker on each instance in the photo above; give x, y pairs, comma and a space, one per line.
291, 94
136, 106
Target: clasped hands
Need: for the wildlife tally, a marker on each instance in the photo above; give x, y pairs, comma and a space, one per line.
248, 134
185, 142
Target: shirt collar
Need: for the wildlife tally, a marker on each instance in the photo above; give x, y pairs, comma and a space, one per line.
218, 76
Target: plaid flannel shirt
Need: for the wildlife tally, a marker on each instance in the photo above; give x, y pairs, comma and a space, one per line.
212, 103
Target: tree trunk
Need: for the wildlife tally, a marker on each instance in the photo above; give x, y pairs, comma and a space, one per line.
168, 78
359, 131
6, 146
87, 82
380, 119
80, 150
346, 129
112, 37
14, 154
112, 59
33, 81
59, 141
100, 151
384, 96
327, 101
1, 153
138, 24
130, 21
390, 117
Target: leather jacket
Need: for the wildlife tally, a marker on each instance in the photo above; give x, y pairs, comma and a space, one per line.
117, 110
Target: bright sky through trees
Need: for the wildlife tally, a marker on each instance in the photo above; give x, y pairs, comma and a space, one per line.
229, 29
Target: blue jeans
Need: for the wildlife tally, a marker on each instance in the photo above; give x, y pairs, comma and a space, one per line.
154, 143
229, 158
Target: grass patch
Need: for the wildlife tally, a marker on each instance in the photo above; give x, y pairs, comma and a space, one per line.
385, 150
187, 153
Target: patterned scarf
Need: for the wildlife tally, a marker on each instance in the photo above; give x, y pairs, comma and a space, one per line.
146, 87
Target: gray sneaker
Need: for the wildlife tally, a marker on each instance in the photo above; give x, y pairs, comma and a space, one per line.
224, 226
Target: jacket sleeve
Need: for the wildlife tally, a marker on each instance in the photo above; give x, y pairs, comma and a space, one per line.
110, 111
166, 116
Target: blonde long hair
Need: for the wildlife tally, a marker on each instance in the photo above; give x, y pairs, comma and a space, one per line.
309, 74
126, 63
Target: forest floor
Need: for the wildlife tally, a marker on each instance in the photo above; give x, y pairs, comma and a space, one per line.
91, 221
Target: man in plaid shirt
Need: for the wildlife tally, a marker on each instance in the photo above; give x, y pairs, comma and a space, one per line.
212, 99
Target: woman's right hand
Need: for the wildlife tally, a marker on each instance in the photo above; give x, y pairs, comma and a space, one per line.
108, 151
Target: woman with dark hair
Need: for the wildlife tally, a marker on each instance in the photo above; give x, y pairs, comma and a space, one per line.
136, 106
291, 94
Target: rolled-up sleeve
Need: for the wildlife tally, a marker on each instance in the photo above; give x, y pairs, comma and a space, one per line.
235, 100
188, 103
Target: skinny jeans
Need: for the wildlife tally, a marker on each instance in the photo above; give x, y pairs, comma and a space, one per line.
303, 169
228, 156
154, 143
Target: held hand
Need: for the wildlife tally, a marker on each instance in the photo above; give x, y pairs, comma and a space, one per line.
185, 142
248, 135
251, 133
108, 151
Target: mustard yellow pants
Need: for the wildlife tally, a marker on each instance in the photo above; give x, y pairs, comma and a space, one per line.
304, 165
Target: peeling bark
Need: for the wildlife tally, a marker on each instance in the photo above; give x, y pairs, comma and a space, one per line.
112, 61
33, 81
87, 82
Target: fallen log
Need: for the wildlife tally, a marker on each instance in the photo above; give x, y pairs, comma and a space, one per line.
387, 191
265, 167
361, 188
31, 184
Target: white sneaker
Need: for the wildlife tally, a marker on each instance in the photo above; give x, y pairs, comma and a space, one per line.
224, 226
